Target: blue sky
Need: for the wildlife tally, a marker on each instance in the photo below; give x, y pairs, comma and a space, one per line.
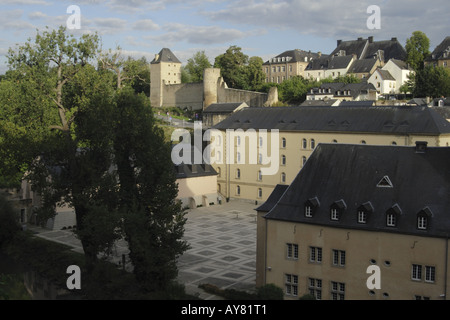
262, 28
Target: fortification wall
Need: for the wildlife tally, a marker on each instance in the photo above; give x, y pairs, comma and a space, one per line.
183, 95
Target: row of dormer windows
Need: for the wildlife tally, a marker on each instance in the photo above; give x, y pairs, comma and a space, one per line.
338, 208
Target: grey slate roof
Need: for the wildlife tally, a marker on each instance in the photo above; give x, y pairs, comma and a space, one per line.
377, 119
319, 103
362, 66
438, 52
296, 56
366, 49
165, 55
351, 47
392, 49
386, 75
331, 62
222, 107
421, 181
272, 200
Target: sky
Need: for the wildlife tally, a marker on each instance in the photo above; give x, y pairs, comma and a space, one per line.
262, 28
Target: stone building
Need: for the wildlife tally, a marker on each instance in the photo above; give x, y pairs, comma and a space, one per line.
360, 222
166, 89
288, 64
300, 131
440, 55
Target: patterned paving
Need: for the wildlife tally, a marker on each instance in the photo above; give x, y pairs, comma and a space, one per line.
223, 247
222, 253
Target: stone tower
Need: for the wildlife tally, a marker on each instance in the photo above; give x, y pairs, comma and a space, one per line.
165, 69
211, 77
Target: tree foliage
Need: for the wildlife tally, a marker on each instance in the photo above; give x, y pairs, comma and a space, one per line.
86, 139
417, 49
196, 65
238, 70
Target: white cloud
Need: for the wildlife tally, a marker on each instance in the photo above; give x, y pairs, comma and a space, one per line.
205, 35
145, 25
339, 19
26, 2
37, 15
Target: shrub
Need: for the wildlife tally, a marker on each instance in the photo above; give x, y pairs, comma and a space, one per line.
9, 225
270, 292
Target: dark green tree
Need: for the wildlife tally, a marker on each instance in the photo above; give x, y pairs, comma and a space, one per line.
254, 74
196, 65
232, 66
153, 220
55, 92
431, 82
9, 225
417, 49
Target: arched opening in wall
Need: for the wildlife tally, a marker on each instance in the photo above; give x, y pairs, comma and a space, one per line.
192, 203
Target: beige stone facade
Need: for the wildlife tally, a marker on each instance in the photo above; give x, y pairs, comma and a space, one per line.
393, 253
244, 180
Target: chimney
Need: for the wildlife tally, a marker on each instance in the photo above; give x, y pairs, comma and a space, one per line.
394, 39
360, 39
370, 39
339, 42
421, 146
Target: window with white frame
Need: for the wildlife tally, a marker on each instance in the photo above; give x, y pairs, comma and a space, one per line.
338, 258
292, 251
422, 222
315, 288
416, 272
391, 219
315, 254
334, 214
337, 290
308, 211
362, 216
291, 284
430, 274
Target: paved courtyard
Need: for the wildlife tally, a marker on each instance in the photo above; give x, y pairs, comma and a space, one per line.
222, 253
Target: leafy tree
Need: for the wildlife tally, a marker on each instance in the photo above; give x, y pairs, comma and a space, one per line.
348, 78
270, 292
153, 219
196, 65
135, 73
232, 64
53, 87
431, 82
417, 49
255, 75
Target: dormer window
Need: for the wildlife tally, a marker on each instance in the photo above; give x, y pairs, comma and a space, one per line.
392, 215
311, 206
423, 218
337, 209
363, 211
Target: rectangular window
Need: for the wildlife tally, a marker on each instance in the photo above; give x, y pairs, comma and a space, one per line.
390, 220
337, 290
291, 284
362, 217
416, 273
334, 214
430, 274
338, 258
308, 211
292, 251
315, 254
315, 288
